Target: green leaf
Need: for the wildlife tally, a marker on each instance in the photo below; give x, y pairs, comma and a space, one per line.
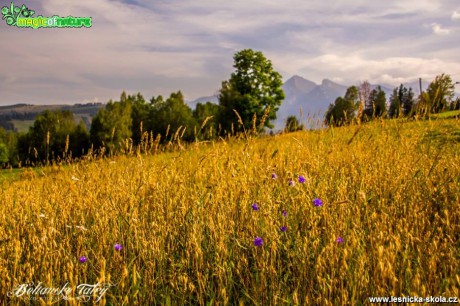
5, 10
10, 21
7, 15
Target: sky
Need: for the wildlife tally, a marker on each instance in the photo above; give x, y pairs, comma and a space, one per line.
162, 46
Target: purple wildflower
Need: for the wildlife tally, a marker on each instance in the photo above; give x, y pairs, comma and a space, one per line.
291, 183
283, 228
301, 179
255, 206
318, 202
274, 176
284, 213
118, 247
83, 259
258, 242
339, 240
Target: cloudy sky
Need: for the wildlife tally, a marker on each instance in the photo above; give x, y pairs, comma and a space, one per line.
157, 47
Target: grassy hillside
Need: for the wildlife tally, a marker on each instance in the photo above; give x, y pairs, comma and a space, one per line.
22, 126
20, 117
446, 115
388, 223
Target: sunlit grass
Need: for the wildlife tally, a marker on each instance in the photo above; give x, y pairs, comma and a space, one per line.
445, 115
187, 224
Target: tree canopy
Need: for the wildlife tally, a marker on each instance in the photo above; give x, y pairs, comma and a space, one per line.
112, 124
206, 116
167, 117
53, 134
440, 92
293, 124
376, 104
253, 89
343, 110
4, 154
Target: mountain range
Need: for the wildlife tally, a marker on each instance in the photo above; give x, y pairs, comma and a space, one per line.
309, 101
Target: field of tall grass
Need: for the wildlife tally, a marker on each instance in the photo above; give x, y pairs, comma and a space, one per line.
325, 217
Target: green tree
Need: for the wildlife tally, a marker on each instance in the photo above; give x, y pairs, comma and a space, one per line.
226, 117
401, 102
380, 102
53, 135
157, 102
207, 112
455, 105
441, 92
293, 124
166, 117
406, 98
139, 117
112, 125
10, 140
395, 110
253, 89
79, 140
4, 155
343, 110
376, 105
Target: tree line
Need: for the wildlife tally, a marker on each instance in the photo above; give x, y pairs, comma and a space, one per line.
361, 103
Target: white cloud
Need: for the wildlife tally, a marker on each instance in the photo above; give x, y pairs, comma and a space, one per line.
391, 70
456, 15
439, 30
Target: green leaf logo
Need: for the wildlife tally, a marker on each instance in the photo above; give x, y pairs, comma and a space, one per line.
12, 13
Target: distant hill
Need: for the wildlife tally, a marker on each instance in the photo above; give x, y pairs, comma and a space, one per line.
309, 101
213, 99
306, 99
19, 117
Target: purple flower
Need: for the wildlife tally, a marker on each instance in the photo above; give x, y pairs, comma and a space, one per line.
284, 213
301, 179
118, 247
291, 183
339, 240
318, 202
283, 228
255, 207
83, 259
274, 176
258, 242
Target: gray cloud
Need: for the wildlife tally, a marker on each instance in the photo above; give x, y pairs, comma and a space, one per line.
157, 47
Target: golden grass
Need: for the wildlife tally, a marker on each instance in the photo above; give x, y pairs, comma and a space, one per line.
390, 189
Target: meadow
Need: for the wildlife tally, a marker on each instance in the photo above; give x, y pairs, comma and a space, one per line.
326, 217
